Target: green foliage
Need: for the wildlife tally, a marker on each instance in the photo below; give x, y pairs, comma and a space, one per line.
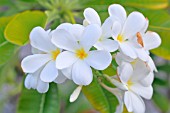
160, 23
6, 49
149, 4
33, 102
101, 99
162, 101
18, 29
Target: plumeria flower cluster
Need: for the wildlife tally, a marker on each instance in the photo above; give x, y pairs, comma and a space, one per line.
72, 51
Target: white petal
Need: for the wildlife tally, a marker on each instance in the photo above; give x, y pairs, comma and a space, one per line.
152, 65
82, 73
32, 63
67, 72
49, 73
125, 71
120, 57
63, 39
107, 44
61, 78
42, 87
118, 11
75, 94
141, 70
148, 80
65, 26
137, 103
40, 39
107, 28
116, 29
99, 59
77, 31
92, 16
151, 40
65, 59
36, 51
145, 27
27, 81
127, 49
145, 92
128, 101
134, 23
90, 36
142, 54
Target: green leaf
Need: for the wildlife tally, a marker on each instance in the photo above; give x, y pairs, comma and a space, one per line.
160, 23
161, 101
33, 102
101, 99
149, 4
18, 29
6, 49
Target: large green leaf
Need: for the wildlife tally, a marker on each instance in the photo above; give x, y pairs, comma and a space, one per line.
33, 102
159, 21
18, 29
149, 4
6, 49
101, 99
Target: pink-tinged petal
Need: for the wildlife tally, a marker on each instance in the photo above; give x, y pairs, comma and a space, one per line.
99, 59
91, 16
32, 63
82, 73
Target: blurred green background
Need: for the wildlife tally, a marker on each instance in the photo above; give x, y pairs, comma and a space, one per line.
14, 98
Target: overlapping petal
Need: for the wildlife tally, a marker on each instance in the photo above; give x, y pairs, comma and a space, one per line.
99, 59
83, 75
32, 63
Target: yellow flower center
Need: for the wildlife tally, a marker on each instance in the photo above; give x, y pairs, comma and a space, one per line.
120, 38
81, 54
55, 53
129, 84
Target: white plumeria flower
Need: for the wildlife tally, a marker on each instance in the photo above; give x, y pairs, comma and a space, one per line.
120, 58
44, 55
103, 43
78, 55
125, 28
132, 77
131, 96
